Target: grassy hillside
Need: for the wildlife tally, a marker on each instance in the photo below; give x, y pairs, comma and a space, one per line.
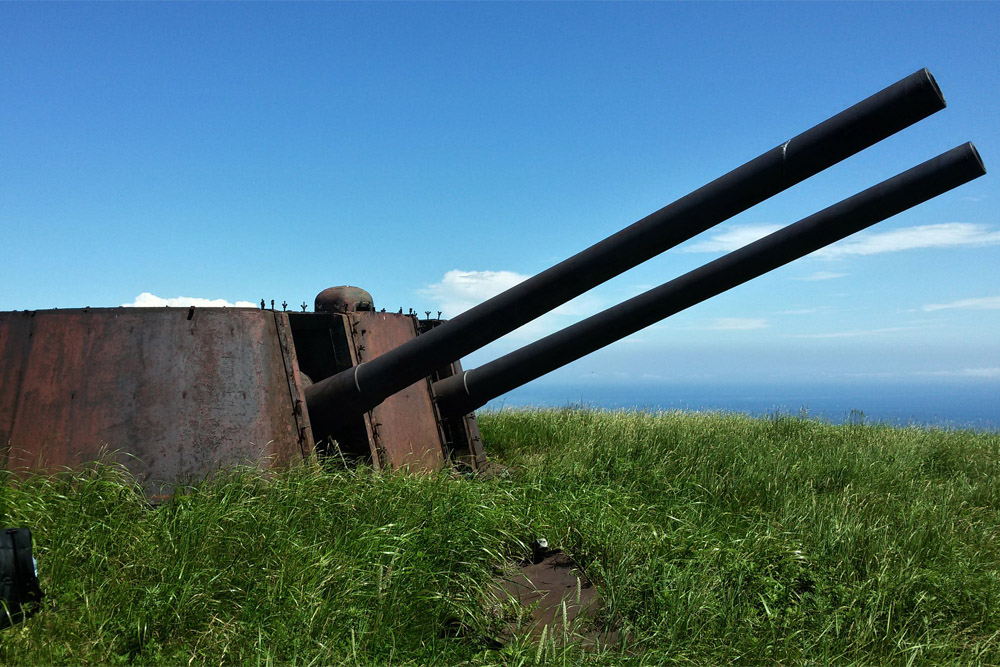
713, 538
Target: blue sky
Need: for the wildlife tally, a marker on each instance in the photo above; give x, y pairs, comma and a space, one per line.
433, 153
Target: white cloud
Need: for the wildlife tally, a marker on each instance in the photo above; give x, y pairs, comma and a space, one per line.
801, 311
821, 275
460, 290
732, 238
966, 372
980, 303
737, 324
147, 300
855, 333
942, 235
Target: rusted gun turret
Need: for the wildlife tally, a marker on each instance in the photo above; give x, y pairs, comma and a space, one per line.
349, 393
179, 392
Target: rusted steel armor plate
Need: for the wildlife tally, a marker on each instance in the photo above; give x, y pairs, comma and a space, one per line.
404, 426
172, 393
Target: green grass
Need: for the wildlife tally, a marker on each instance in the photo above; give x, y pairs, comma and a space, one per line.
714, 539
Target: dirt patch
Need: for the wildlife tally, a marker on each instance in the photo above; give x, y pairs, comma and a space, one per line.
552, 595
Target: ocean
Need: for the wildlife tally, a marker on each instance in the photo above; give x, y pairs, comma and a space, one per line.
948, 404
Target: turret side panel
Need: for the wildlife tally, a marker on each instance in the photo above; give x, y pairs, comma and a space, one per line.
404, 426
173, 393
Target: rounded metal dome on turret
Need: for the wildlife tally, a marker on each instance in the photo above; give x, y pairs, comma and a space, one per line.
344, 299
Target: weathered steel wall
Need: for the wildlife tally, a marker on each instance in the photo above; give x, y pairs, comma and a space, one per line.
173, 393
404, 427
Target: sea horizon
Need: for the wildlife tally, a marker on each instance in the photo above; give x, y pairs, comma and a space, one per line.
950, 403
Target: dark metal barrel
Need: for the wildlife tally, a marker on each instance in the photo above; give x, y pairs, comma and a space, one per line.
360, 388
461, 394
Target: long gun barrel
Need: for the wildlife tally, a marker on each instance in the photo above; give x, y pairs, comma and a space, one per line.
461, 394
355, 390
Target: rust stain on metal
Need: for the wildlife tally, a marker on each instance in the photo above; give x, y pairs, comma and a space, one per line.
15, 344
173, 394
405, 427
